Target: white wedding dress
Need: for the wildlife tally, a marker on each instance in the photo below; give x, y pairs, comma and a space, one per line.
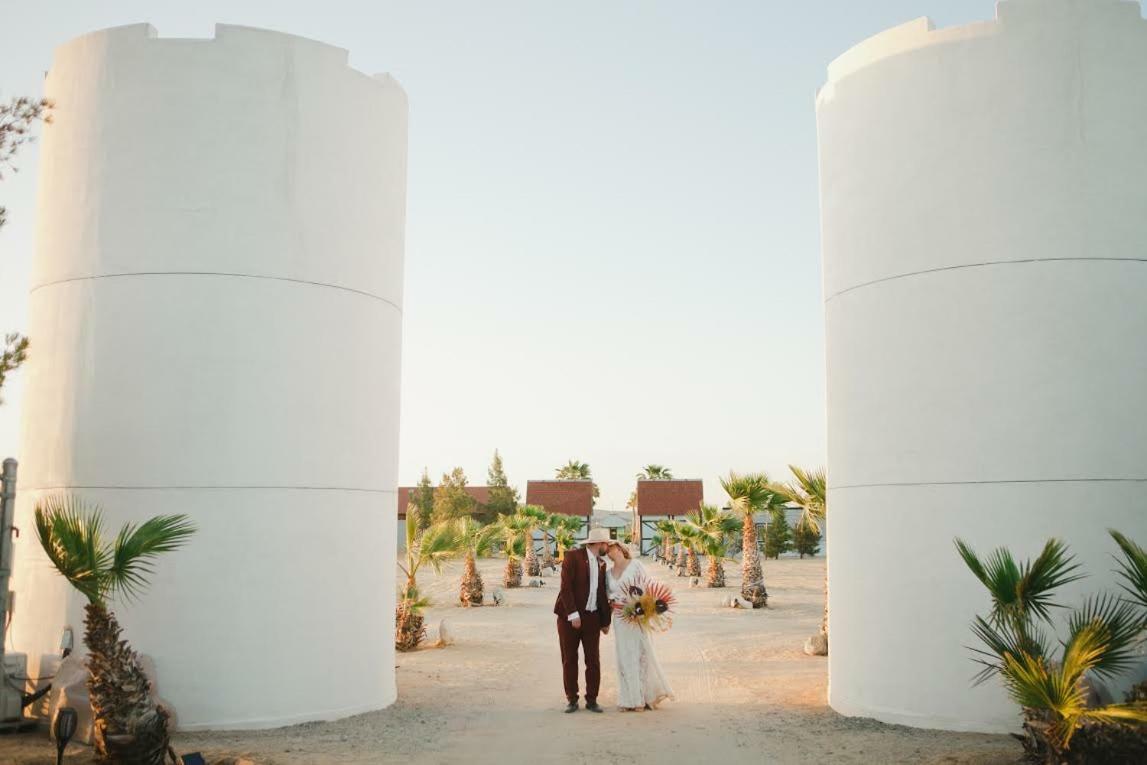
640, 680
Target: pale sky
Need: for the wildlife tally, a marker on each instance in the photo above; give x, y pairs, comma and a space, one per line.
612, 244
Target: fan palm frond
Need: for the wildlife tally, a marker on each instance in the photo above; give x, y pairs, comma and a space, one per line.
1133, 568
137, 547
749, 493
1019, 590
71, 533
1117, 624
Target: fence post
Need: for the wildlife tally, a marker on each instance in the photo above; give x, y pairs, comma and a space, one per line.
7, 515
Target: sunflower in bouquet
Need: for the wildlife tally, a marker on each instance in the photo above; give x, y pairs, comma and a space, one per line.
648, 605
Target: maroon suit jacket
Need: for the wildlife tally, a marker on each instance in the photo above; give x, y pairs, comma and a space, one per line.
574, 592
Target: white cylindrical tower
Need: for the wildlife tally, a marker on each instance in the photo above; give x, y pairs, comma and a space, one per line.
983, 200
216, 330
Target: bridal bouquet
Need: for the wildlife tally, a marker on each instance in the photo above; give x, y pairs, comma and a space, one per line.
648, 605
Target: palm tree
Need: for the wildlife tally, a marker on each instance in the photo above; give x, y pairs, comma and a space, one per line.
713, 527
682, 562
549, 531
577, 471
512, 530
692, 539
749, 494
573, 471
475, 541
667, 530
809, 490
434, 545
535, 518
1102, 640
566, 529
654, 472
129, 726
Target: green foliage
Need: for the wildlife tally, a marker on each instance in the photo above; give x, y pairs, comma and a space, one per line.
503, 497
16, 120
577, 471
72, 535
809, 490
451, 499
14, 354
435, 545
806, 539
423, 498
511, 531
713, 528
1102, 640
655, 473
1133, 569
1021, 592
474, 537
751, 493
778, 535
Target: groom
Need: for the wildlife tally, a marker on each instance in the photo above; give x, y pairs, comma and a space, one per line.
583, 615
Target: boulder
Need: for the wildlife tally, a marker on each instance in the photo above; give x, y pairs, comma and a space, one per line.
817, 645
445, 635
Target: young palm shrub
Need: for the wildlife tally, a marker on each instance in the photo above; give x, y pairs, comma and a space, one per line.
475, 541
1059, 725
511, 530
565, 532
691, 538
749, 494
667, 531
129, 726
679, 533
534, 518
713, 527
549, 532
809, 489
434, 545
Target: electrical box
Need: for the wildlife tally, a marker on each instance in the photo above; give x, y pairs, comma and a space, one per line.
15, 667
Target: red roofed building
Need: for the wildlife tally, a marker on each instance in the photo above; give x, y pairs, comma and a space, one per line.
564, 497
659, 500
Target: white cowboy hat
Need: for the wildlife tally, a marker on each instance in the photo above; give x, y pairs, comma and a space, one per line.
595, 535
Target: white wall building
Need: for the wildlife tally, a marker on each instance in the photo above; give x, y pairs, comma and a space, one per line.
216, 330
983, 206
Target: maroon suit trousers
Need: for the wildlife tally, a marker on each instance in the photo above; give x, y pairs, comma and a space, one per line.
589, 638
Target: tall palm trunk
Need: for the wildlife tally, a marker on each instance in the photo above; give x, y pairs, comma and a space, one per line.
410, 627
533, 565
752, 577
129, 727
471, 591
512, 576
547, 552
665, 552
682, 560
716, 574
694, 563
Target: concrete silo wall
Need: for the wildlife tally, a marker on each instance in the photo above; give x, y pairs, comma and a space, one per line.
216, 330
983, 203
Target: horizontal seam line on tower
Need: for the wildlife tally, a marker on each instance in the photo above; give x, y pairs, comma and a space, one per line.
221, 273
979, 483
979, 265
196, 488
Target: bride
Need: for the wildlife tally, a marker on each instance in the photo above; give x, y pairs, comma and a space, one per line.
640, 682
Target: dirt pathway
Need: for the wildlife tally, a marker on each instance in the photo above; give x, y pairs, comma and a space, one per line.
745, 693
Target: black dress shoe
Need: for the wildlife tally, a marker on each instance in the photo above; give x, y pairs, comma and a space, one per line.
571, 707
593, 707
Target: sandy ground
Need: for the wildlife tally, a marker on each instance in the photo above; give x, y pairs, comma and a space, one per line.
745, 693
